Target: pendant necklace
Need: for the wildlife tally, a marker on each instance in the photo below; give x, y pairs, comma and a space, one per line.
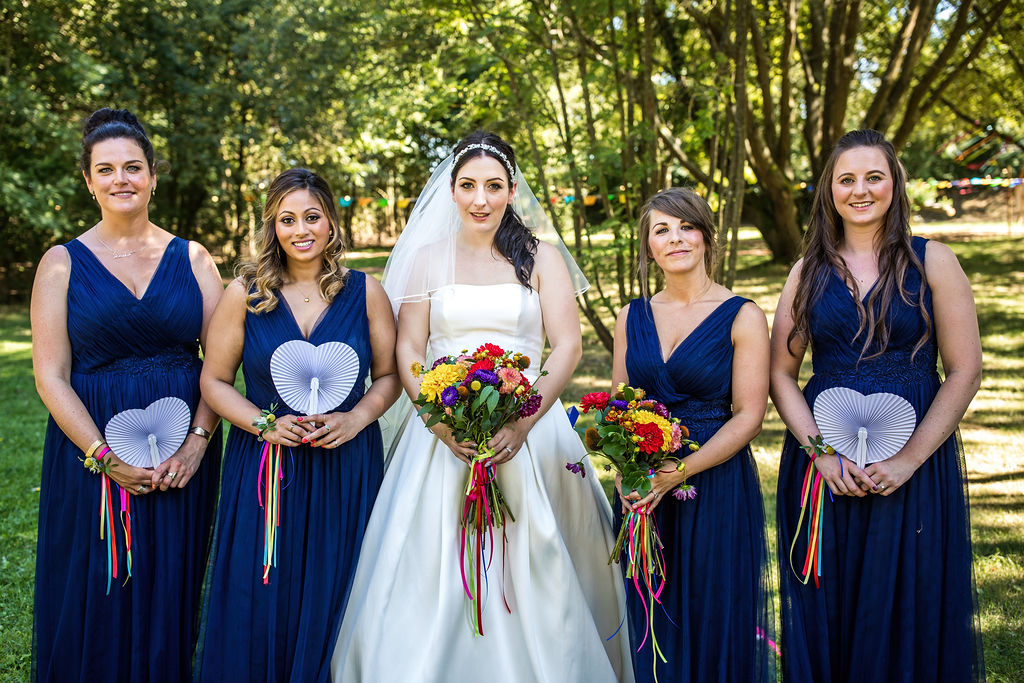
304, 297
116, 254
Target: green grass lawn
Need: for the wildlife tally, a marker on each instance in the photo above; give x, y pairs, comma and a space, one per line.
993, 434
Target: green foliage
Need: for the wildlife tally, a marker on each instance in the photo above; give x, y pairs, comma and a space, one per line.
599, 98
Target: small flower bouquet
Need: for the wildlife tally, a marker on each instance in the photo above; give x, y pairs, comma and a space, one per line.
638, 437
476, 395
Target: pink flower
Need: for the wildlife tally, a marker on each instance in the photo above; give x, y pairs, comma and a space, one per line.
510, 378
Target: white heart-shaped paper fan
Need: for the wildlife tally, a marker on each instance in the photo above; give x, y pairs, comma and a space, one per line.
865, 429
145, 437
310, 378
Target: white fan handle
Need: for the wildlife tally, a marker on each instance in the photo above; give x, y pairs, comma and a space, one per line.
154, 454
314, 388
862, 447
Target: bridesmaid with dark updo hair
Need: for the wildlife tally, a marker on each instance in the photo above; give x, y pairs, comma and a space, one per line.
118, 317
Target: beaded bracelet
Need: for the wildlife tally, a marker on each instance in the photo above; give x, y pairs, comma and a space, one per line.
265, 421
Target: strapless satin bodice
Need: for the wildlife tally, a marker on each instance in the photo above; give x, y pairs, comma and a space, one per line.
466, 316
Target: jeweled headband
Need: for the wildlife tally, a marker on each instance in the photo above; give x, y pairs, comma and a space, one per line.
493, 150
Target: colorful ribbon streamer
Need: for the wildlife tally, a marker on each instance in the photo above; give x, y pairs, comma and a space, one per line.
483, 510
126, 524
268, 492
812, 496
645, 565
107, 528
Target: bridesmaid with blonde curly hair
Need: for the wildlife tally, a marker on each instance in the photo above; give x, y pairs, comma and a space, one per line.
273, 611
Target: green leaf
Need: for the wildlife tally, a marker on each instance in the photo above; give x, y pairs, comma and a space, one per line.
492, 398
435, 418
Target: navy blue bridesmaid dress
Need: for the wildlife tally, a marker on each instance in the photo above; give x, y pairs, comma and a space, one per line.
285, 630
716, 623
126, 353
897, 600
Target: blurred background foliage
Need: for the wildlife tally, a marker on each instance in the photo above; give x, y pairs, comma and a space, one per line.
605, 101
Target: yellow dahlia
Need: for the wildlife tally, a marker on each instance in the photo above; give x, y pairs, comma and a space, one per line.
438, 379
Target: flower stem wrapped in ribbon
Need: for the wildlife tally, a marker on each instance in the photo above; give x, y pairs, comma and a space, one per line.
475, 395
638, 437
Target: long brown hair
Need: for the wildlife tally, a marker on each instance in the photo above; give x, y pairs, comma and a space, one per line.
689, 207
263, 276
824, 236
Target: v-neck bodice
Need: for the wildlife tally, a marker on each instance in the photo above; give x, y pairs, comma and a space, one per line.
160, 328
344, 320
695, 383
832, 319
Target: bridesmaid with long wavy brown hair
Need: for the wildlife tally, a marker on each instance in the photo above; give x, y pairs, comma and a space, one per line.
894, 599
273, 607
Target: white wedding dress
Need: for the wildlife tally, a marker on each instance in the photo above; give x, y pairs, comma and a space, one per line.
408, 616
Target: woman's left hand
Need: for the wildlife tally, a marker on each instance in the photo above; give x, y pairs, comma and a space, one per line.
891, 474
178, 469
663, 482
332, 429
507, 442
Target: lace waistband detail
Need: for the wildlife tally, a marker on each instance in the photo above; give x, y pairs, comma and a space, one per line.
697, 411
169, 361
892, 367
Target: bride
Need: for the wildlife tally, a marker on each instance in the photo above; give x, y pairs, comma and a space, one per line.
467, 271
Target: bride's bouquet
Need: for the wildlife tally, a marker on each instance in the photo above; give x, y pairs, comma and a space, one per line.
638, 437
475, 395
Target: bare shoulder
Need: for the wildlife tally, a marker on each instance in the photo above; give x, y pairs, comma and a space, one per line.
56, 260
751, 313
796, 271
548, 259
939, 261
198, 254
236, 292
750, 324
375, 293
622, 315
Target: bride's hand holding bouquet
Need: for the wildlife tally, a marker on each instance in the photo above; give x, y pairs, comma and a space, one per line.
473, 403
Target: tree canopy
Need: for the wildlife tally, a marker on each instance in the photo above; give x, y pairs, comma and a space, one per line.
605, 101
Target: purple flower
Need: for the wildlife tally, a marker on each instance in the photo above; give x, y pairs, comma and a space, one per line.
530, 406
439, 361
449, 396
576, 468
685, 492
487, 377
618, 405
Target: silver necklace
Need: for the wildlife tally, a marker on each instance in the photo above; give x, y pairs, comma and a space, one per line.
115, 254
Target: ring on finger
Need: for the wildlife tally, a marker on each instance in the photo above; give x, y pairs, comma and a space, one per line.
508, 449
172, 475
327, 427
